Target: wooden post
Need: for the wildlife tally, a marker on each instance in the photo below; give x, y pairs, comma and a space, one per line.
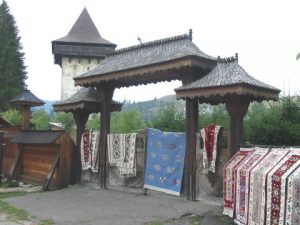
1, 154
80, 119
190, 151
237, 108
106, 97
26, 117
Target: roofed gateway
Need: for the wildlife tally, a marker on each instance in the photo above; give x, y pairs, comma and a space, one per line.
160, 60
205, 79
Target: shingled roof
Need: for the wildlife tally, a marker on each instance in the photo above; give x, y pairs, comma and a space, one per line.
227, 78
26, 98
84, 99
84, 31
146, 54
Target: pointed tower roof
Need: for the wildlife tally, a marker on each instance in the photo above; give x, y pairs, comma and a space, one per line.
84, 31
83, 40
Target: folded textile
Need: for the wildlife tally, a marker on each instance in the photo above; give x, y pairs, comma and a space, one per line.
116, 148
292, 215
242, 183
276, 196
128, 166
122, 152
257, 194
230, 178
165, 161
85, 151
210, 143
94, 145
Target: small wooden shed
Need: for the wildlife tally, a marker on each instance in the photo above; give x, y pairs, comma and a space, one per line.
44, 158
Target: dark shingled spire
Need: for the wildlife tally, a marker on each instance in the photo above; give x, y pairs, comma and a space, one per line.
84, 31
83, 40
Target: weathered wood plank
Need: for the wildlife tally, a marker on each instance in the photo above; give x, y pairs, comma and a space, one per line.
14, 165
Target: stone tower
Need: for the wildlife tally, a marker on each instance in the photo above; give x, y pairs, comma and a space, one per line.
80, 51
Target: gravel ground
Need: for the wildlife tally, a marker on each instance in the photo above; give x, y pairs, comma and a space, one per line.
90, 205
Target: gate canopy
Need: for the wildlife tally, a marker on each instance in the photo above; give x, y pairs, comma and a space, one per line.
161, 60
227, 79
87, 100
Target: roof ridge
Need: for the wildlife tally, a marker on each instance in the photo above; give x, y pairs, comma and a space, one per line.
151, 43
228, 59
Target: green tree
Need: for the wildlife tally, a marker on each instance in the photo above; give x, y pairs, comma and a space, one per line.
126, 122
169, 119
214, 115
274, 124
13, 116
66, 119
94, 122
40, 119
12, 68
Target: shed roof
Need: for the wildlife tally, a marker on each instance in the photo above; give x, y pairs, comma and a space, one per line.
26, 98
84, 31
143, 55
4, 122
227, 78
37, 137
84, 99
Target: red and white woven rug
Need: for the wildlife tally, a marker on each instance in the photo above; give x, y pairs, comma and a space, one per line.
210, 143
292, 213
257, 194
230, 178
242, 183
85, 151
276, 195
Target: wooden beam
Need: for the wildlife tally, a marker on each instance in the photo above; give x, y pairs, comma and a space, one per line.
26, 117
106, 96
190, 151
237, 108
51, 172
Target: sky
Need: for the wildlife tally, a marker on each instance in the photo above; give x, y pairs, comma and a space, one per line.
265, 34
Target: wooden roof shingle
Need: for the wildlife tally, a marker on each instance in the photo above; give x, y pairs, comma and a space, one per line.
146, 54
84, 99
84, 31
26, 98
227, 78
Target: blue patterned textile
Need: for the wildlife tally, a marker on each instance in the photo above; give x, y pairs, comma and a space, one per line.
165, 161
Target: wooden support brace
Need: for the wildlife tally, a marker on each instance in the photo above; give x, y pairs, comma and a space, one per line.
14, 165
51, 172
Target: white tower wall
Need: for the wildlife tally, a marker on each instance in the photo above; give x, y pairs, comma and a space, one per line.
72, 67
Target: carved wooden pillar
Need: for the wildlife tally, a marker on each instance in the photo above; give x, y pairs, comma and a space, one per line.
106, 97
237, 108
80, 119
26, 117
190, 152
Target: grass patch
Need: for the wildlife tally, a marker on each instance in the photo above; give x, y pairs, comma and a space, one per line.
46, 222
223, 219
195, 220
12, 194
13, 212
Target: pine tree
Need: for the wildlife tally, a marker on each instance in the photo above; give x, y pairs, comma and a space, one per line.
12, 68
